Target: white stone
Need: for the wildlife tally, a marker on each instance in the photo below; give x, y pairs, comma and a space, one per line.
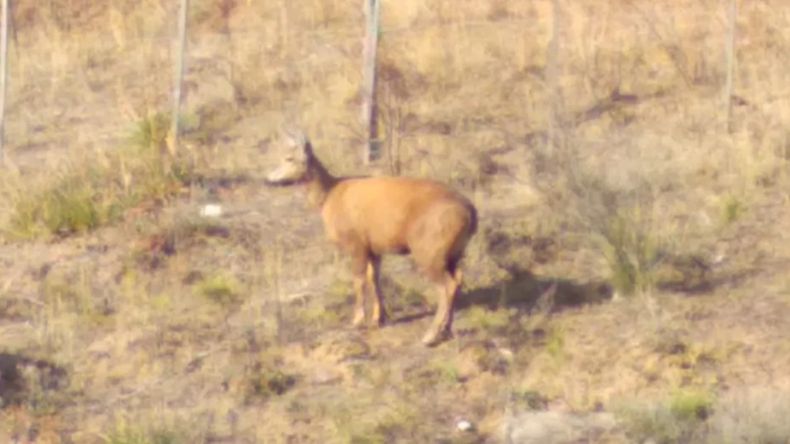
211, 210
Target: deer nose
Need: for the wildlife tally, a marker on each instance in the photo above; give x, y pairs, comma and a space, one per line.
275, 176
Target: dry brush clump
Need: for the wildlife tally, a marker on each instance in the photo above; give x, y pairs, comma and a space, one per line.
739, 415
754, 414
681, 418
99, 188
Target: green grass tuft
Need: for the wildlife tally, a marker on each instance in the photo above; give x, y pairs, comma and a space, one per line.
83, 196
221, 289
127, 434
632, 251
681, 418
689, 405
732, 209
270, 383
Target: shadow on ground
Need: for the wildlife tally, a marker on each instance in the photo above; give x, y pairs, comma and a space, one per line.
523, 291
527, 292
21, 377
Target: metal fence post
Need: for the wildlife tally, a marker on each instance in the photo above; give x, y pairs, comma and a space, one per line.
369, 112
6, 11
179, 78
729, 51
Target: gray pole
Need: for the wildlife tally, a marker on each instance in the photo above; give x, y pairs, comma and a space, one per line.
552, 79
182, 44
3, 74
369, 118
730, 61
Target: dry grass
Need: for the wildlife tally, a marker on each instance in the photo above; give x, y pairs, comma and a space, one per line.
173, 328
751, 415
679, 419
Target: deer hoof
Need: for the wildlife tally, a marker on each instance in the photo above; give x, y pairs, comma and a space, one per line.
359, 320
434, 338
380, 322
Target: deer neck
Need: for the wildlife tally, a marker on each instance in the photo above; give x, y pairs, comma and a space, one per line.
319, 184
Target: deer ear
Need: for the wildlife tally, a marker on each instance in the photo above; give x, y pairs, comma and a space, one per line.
295, 139
300, 139
308, 147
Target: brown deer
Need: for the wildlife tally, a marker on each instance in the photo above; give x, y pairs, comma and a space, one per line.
368, 217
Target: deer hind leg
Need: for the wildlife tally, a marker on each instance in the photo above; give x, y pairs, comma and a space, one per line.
451, 290
447, 279
379, 315
359, 265
437, 243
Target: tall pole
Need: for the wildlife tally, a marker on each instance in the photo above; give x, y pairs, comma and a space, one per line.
179, 77
3, 74
729, 52
369, 112
552, 75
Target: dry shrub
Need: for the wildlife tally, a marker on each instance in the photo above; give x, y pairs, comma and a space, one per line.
751, 415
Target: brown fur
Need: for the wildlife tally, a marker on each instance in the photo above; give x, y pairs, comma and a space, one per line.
368, 217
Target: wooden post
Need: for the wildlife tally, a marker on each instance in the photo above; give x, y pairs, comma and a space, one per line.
552, 79
179, 77
369, 111
284, 27
729, 54
6, 11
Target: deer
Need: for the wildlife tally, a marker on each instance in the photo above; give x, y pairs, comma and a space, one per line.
368, 217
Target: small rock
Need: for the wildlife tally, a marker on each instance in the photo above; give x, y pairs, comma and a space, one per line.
326, 377
506, 353
211, 210
465, 426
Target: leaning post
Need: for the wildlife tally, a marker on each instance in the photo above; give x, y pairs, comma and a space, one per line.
6, 12
179, 78
369, 108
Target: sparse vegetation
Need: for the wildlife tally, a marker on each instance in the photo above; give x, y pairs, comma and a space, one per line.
444, 372
124, 433
528, 399
268, 383
632, 253
491, 322
680, 419
555, 343
688, 405
390, 423
221, 289
405, 300
96, 191
398, 423
150, 132
733, 209
32, 384
69, 205
619, 220
754, 415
